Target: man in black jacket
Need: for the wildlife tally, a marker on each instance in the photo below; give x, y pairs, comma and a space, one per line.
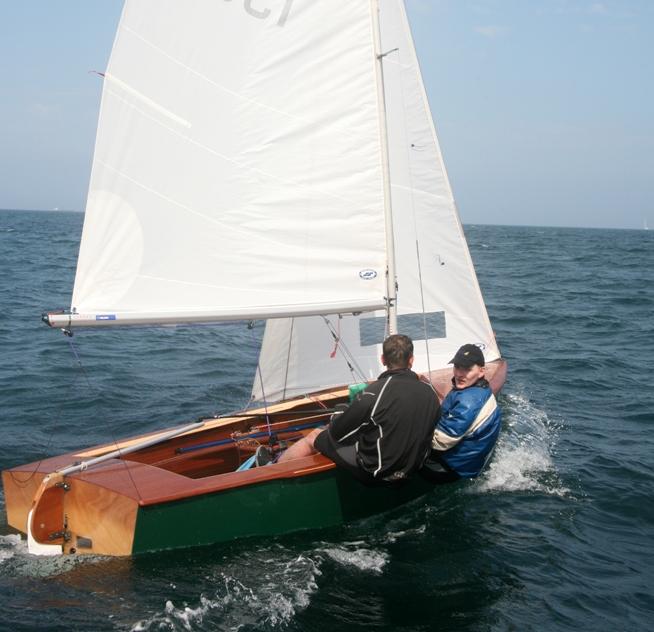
385, 434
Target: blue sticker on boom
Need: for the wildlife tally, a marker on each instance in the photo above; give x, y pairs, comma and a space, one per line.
105, 317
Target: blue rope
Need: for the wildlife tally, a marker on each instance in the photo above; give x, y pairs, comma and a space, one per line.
254, 435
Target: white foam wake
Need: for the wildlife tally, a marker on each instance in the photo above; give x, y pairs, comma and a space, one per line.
264, 588
358, 555
523, 457
256, 591
10, 545
17, 561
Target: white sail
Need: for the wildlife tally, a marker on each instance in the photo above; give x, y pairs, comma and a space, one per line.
237, 170
439, 301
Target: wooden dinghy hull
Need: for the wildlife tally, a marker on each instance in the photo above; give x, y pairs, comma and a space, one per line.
84, 517
313, 501
185, 491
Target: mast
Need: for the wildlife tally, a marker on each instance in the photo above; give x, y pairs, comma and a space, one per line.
391, 276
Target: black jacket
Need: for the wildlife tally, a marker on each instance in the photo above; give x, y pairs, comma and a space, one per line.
391, 422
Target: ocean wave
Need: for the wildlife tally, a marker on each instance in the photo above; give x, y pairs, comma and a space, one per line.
260, 591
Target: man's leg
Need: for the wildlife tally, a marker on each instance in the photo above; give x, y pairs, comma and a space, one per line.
303, 447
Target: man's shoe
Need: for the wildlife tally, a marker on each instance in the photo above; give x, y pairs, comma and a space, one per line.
263, 456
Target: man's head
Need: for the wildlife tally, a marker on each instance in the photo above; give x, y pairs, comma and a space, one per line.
469, 366
397, 352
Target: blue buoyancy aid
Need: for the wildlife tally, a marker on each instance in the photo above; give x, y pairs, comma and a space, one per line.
467, 430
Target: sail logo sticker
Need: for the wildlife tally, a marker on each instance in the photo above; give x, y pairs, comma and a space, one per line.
368, 274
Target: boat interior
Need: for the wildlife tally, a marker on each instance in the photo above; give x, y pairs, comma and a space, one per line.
228, 445
225, 445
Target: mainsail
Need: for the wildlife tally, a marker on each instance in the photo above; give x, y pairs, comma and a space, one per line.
438, 300
238, 166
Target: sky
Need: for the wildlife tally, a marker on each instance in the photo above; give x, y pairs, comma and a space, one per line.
544, 108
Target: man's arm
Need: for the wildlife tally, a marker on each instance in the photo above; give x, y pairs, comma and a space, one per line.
357, 414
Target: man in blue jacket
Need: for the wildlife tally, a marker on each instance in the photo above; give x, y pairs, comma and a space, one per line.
466, 433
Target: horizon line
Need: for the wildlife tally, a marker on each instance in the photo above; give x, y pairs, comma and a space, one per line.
465, 223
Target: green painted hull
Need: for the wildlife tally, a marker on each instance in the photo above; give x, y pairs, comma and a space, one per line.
270, 508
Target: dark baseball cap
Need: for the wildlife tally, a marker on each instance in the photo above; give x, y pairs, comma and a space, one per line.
468, 355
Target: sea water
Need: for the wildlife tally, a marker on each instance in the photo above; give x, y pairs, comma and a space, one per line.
557, 534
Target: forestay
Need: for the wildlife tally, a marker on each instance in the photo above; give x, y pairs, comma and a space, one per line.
439, 301
237, 169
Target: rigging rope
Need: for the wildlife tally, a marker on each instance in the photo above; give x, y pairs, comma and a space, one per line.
263, 392
409, 148
348, 356
424, 314
337, 340
288, 356
100, 394
84, 373
23, 482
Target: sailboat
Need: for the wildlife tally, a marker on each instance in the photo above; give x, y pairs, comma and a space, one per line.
274, 163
